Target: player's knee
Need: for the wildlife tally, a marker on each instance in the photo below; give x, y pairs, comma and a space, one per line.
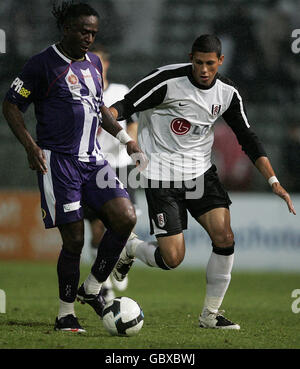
224, 239
125, 222
173, 259
174, 262
74, 244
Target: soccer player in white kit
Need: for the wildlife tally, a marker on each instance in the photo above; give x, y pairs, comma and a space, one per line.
178, 106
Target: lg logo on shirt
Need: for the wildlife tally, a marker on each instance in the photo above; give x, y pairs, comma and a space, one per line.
296, 43
180, 126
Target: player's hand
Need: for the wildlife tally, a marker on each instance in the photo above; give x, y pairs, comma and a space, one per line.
137, 155
36, 159
281, 192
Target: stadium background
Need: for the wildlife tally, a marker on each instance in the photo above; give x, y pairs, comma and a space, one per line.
141, 35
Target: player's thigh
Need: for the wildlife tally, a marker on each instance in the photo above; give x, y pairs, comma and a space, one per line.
218, 225
118, 214
168, 218
106, 195
211, 210
166, 210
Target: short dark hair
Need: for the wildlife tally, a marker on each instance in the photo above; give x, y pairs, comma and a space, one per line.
207, 44
68, 10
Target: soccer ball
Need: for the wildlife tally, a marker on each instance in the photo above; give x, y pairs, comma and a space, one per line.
123, 316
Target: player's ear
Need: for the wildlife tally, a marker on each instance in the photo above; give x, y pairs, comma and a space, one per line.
191, 57
221, 59
66, 29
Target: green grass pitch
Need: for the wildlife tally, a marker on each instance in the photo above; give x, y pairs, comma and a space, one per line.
171, 300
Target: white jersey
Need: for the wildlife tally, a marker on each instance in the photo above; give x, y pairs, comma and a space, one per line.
177, 117
113, 151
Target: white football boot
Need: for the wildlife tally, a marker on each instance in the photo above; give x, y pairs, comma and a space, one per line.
209, 319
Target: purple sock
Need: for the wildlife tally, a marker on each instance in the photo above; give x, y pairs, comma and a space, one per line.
68, 271
108, 254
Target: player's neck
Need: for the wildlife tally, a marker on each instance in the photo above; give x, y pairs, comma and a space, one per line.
62, 49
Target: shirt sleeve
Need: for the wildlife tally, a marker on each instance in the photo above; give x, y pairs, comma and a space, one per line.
24, 89
147, 93
235, 116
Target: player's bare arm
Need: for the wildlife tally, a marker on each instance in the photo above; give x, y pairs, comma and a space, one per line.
35, 154
264, 166
109, 122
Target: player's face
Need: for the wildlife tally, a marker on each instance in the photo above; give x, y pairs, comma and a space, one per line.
205, 66
80, 35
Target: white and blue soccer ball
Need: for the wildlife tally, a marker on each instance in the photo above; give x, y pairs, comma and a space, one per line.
123, 316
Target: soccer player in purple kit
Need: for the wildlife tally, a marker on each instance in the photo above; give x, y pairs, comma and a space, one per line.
65, 84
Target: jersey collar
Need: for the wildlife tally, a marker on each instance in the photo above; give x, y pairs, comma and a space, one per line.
61, 54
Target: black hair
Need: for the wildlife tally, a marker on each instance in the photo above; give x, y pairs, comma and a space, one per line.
68, 10
207, 44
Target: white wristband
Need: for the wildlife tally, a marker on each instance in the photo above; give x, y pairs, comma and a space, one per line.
123, 137
272, 180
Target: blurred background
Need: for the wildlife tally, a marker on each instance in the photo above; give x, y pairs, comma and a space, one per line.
142, 35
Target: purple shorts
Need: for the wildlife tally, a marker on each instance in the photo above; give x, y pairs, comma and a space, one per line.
69, 182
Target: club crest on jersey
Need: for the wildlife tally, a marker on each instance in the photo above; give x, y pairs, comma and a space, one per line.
73, 82
161, 220
180, 126
215, 109
73, 79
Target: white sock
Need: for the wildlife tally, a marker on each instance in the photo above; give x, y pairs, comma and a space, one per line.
142, 250
91, 285
108, 283
218, 276
65, 308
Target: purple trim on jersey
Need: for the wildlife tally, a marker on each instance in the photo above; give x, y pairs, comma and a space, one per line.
98, 144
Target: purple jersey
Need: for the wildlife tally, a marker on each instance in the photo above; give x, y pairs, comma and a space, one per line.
67, 97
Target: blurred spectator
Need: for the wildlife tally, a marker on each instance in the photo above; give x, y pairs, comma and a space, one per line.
282, 72
244, 68
234, 167
291, 157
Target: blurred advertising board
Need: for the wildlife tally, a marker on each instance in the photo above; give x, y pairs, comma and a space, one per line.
22, 232
267, 236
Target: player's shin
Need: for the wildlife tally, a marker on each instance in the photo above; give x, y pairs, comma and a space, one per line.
108, 254
218, 276
68, 271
